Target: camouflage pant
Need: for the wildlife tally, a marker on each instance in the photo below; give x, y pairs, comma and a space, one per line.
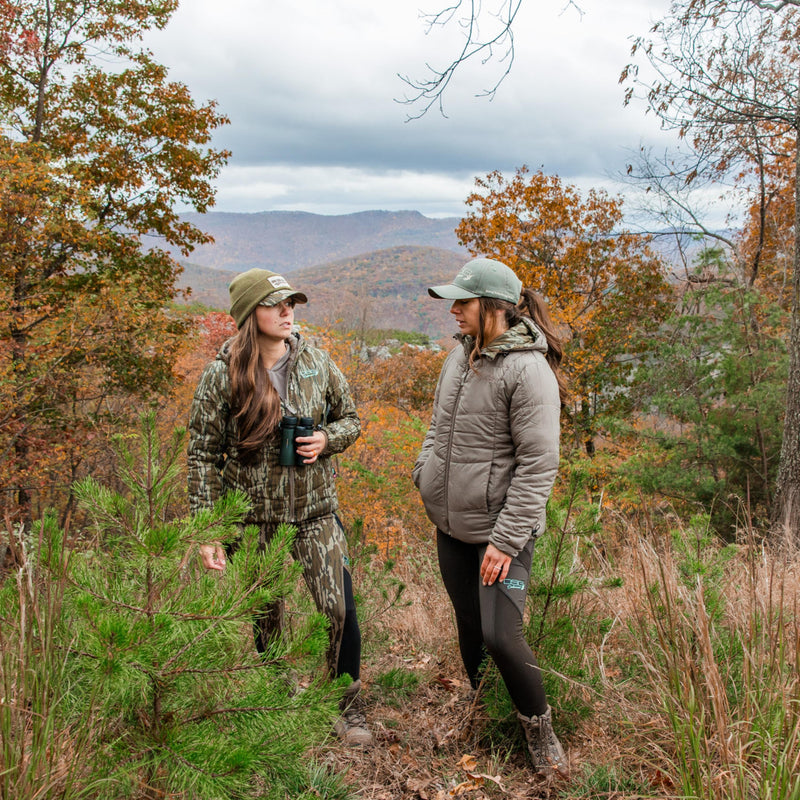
321, 548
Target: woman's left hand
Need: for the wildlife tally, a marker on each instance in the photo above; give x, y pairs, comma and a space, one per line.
494, 566
310, 448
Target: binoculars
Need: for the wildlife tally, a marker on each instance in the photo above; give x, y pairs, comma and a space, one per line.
291, 428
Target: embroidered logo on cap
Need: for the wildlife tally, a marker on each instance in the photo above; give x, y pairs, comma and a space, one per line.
279, 282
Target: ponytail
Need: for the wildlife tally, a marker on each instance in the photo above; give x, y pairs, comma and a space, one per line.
533, 305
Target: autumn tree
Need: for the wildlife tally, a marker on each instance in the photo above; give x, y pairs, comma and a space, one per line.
97, 146
765, 244
395, 400
605, 287
724, 74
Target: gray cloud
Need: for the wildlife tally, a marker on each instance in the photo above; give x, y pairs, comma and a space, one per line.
310, 89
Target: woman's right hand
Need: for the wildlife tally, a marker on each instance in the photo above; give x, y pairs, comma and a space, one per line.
494, 566
213, 556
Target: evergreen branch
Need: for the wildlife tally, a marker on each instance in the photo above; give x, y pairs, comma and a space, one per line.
225, 670
244, 710
189, 764
139, 610
192, 642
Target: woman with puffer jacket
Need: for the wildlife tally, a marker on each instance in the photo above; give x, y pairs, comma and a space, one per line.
485, 472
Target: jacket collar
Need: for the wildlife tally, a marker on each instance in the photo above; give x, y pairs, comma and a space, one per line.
525, 335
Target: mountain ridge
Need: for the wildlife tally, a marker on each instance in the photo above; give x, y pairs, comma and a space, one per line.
285, 241
380, 289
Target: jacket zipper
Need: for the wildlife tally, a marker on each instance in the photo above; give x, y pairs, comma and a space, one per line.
450, 441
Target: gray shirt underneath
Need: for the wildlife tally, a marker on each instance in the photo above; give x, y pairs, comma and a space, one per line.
279, 374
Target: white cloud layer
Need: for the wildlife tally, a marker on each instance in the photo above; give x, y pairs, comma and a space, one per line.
310, 87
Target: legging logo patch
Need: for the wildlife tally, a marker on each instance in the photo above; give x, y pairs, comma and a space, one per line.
513, 583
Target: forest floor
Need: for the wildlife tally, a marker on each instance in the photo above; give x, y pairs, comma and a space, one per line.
431, 744
667, 659
432, 740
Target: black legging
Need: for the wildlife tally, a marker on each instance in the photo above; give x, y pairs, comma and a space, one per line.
269, 623
489, 619
350, 650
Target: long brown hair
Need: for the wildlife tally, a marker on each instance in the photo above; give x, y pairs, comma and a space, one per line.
254, 400
533, 306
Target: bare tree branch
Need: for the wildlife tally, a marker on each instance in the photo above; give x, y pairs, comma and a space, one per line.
497, 46
726, 76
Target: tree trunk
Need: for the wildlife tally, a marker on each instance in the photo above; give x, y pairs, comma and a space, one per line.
20, 501
786, 509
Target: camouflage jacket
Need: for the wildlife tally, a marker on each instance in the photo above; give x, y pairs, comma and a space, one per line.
315, 388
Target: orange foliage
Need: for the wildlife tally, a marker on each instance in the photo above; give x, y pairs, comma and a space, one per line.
207, 334
97, 149
768, 238
374, 478
605, 288
395, 399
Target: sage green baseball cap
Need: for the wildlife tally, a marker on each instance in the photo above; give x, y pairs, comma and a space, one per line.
481, 277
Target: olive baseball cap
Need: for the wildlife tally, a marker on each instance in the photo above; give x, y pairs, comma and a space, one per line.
481, 277
259, 287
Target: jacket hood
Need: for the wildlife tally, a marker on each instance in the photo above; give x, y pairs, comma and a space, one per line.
525, 335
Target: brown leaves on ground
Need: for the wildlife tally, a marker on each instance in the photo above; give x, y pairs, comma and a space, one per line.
429, 746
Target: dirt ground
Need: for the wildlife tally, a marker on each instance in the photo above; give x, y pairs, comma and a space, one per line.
430, 747
430, 741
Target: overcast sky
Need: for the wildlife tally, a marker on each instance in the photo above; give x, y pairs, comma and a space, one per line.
311, 89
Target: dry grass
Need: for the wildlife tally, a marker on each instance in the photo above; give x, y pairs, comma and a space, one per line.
687, 658
684, 685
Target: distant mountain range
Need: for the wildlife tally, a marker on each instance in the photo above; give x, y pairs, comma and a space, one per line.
285, 241
363, 271
382, 289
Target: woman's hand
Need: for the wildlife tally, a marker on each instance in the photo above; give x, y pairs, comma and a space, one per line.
310, 448
213, 556
494, 566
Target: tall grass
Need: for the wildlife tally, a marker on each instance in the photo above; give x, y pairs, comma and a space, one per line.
715, 630
40, 753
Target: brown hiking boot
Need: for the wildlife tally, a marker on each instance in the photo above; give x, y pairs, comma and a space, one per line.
351, 727
546, 751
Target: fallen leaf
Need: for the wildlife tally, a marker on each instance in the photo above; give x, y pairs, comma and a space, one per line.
465, 786
495, 779
468, 763
451, 684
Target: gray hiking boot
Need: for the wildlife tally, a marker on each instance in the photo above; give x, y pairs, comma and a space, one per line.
546, 751
351, 727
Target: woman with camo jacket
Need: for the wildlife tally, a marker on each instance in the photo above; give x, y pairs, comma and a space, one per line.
267, 372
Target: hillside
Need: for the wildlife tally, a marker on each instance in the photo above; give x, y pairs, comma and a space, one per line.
381, 289
288, 240
208, 286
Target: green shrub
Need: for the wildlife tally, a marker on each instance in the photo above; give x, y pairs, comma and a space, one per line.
156, 673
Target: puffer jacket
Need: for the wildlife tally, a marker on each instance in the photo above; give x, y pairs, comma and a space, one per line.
490, 456
315, 388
